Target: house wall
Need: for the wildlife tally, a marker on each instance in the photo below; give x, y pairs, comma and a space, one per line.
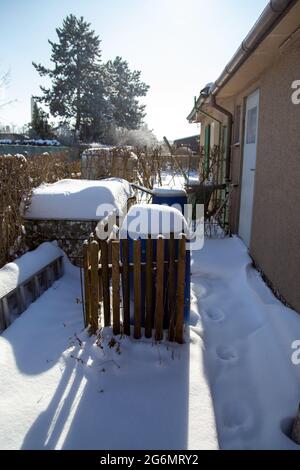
275, 243
275, 238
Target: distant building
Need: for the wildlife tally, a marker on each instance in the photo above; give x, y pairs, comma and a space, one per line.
11, 136
190, 142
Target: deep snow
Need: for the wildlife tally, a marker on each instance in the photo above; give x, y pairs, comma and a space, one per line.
60, 389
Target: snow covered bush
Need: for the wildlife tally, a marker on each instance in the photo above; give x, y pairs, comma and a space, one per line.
18, 176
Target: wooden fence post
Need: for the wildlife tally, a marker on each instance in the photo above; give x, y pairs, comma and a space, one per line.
149, 287
105, 282
137, 287
109, 253
94, 255
126, 286
116, 286
159, 311
87, 292
180, 291
100, 283
171, 288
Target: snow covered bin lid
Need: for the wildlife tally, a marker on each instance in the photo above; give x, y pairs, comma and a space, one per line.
153, 219
15, 273
193, 181
169, 192
78, 199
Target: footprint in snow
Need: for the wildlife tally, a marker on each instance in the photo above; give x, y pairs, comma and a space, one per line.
236, 415
227, 353
215, 315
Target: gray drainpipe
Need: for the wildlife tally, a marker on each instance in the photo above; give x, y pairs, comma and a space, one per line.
229, 139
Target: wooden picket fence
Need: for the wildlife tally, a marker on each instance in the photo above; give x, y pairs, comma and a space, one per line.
109, 273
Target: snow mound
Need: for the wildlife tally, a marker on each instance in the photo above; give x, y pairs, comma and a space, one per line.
15, 273
77, 199
154, 220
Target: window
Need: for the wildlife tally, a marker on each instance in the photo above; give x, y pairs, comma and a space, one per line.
237, 125
251, 125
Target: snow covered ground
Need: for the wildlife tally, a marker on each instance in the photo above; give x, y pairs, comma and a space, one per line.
61, 389
248, 336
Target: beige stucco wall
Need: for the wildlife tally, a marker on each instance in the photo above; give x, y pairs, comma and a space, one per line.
275, 239
275, 242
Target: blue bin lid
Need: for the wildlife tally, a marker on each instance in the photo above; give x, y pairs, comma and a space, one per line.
169, 192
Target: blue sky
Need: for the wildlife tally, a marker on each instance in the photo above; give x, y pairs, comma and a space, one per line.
179, 45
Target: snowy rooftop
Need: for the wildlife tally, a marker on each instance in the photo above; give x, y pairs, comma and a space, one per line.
76, 199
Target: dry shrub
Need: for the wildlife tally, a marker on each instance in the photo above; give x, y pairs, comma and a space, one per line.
101, 162
143, 165
18, 177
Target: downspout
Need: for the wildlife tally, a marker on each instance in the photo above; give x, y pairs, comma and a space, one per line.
229, 115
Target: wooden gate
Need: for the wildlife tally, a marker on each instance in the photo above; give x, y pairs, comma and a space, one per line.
130, 282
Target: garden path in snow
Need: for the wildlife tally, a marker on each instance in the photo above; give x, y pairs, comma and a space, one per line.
248, 336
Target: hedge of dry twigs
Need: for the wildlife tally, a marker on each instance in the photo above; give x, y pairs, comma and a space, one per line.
18, 176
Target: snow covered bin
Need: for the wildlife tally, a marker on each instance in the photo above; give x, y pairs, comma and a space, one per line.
153, 220
68, 211
170, 196
78, 199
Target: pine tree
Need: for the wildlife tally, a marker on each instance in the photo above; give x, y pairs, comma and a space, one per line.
126, 88
39, 126
86, 94
76, 59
